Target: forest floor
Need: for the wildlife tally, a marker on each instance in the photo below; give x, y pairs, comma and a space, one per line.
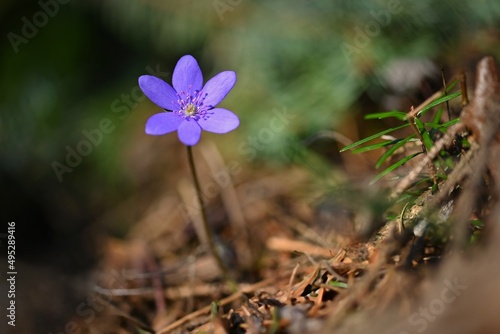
322, 267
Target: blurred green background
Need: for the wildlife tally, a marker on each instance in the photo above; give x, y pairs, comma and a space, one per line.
68, 65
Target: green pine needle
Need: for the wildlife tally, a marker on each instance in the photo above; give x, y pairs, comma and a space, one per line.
394, 166
367, 139
437, 102
393, 149
428, 143
386, 114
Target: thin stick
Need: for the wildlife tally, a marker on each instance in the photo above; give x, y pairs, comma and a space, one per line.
156, 282
438, 146
231, 202
463, 88
208, 233
413, 124
445, 88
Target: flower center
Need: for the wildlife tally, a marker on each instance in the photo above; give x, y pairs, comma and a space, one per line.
191, 104
190, 110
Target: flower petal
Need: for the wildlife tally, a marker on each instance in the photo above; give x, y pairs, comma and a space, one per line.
159, 92
221, 121
189, 132
187, 74
218, 87
162, 123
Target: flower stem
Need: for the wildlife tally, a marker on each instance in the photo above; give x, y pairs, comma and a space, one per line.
206, 228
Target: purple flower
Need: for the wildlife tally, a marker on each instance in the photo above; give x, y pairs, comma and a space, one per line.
189, 104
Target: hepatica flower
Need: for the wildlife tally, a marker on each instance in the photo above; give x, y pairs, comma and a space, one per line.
189, 106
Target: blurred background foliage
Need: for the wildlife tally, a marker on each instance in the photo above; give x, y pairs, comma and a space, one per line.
82, 66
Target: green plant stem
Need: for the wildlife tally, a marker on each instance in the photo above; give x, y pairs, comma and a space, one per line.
206, 228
